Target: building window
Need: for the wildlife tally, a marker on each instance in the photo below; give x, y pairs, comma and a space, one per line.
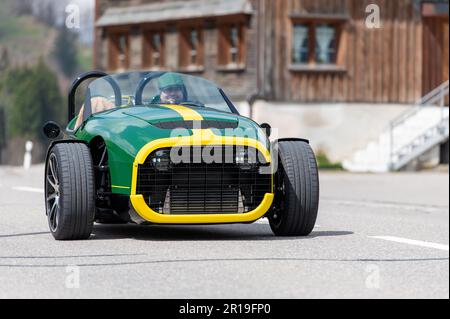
193, 45
315, 43
233, 52
325, 44
118, 51
154, 50
231, 45
301, 44
191, 48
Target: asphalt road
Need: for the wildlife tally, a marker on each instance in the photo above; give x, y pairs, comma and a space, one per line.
378, 236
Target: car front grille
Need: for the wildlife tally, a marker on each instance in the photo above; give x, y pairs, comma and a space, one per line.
191, 125
202, 188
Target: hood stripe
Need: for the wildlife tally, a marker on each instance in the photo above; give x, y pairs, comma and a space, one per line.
187, 113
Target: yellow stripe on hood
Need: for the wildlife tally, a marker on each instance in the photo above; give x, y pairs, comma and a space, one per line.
187, 113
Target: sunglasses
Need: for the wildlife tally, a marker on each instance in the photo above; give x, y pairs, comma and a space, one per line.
172, 88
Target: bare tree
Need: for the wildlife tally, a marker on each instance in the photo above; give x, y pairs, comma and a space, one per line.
23, 7
2, 131
4, 60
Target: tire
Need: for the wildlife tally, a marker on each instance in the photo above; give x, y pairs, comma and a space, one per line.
70, 191
297, 190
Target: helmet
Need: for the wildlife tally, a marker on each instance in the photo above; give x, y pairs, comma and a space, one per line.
172, 88
170, 80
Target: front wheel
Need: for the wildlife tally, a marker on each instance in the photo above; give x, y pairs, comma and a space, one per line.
69, 191
297, 190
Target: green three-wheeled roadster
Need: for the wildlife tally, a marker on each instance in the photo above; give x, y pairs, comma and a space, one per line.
166, 148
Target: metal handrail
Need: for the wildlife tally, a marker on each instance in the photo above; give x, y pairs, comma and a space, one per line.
437, 95
440, 126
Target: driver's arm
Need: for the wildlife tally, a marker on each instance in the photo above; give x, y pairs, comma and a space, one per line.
98, 104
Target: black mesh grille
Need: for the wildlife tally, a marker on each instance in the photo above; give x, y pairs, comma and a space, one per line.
200, 188
190, 125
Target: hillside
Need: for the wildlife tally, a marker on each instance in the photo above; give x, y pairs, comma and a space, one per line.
25, 37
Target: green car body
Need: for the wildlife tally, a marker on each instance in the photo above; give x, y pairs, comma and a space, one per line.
166, 148
132, 131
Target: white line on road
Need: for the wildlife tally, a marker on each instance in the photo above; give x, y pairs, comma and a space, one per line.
263, 221
412, 242
28, 189
374, 204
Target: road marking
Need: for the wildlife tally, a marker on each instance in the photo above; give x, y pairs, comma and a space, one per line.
28, 189
263, 221
387, 205
412, 242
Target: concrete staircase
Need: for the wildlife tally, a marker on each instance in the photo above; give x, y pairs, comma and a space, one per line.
409, 136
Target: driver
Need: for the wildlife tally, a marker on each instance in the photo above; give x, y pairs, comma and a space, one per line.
172, 89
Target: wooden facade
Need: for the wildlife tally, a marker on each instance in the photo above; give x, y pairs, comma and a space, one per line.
435, 47
252, 53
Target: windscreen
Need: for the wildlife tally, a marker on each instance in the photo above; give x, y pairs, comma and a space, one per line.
150, 89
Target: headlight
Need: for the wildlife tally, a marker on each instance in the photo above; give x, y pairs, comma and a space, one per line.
241, 156
245, 158
161, 160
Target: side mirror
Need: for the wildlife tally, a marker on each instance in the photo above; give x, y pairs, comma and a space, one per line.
267, 128
51, 130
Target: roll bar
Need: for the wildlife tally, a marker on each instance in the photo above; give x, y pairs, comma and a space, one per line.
86, 76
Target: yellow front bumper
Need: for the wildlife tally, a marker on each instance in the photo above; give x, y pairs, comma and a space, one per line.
141, 207
199, 137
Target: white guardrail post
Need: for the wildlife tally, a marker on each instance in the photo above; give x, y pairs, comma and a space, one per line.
27, 157
391, 147
442, 102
